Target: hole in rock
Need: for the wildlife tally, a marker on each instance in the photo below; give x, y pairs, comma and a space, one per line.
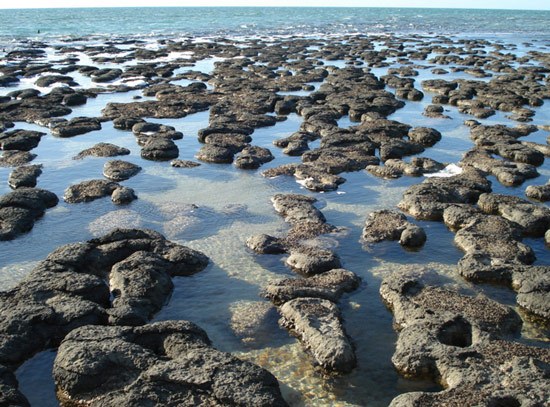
457, 332
506, 401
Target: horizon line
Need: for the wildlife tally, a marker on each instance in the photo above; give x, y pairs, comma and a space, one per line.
336, 7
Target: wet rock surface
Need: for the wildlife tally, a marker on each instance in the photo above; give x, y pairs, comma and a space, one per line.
24, 176
103, 150
23, 140
118, 170
73, 285
21, 208
91, 190
429, 199
75, 127
457, 339
392, 225
170, 363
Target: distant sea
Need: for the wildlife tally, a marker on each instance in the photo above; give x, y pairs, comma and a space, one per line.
246, 21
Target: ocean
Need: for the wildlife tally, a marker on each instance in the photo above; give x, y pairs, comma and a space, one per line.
223, 205
247, 21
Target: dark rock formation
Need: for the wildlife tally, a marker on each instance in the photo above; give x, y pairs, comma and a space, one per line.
15, 158
184, 164
24, 176
118, 170
75, 127
253, 157
102, 150
538, 192
506, 172
329, 286
23, 140
123, 195
317, 323
21, 208
170, 363
391, 225
534, 219
458, 339
73, 287
429, 199
87, 191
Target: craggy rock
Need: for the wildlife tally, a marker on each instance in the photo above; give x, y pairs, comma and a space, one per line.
9, 395
123, 195
416, 167
265, 244
75, 127
159, 149
312, 260
15, 158
24, 176
457, 339
538, 192
305, 219
329, 286
533, 218
435, 112
170, 363
533, 288
102, 150
491, 235
503, 140
211, 153
87, 191
425, 136
384, 171
144, 131
391, 225
336, 160
506, 172
118, 170
317, 323
253, 157
49, 80
23, 140
120, 278
21, 208
184, 164
429, 199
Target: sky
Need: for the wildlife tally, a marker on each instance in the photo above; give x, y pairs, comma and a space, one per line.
490, 4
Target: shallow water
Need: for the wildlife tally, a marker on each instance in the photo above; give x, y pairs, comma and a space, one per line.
231, 205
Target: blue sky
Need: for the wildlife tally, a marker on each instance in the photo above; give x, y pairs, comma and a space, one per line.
498, 4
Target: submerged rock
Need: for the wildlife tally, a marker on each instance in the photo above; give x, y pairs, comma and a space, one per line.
329, 285
317, 323
169, 363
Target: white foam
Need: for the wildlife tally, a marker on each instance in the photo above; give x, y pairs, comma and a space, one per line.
448, 171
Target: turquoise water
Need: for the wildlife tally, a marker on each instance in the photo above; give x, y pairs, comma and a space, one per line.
233, 204
246, 21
